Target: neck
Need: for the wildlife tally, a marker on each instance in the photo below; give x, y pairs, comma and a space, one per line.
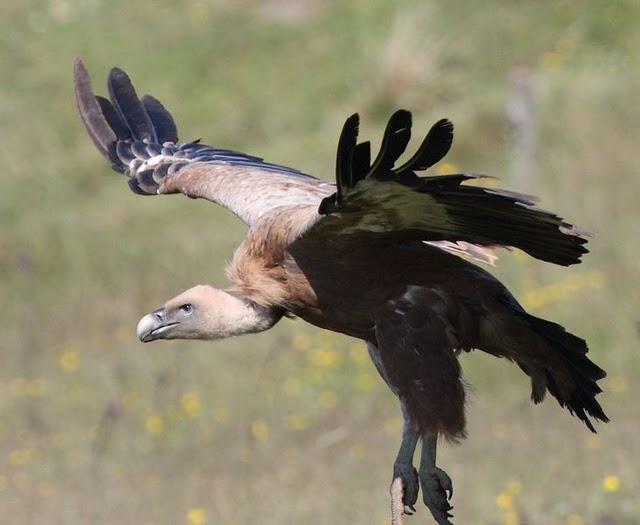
243, 316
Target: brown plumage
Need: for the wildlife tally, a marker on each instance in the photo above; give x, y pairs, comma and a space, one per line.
375, 256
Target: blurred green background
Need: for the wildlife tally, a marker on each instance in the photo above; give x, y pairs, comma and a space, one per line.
293, 425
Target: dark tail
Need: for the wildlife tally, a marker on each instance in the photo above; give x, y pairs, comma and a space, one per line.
568, 374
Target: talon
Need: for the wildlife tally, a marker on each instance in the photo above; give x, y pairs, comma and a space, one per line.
410, 483
437, 490
445, 481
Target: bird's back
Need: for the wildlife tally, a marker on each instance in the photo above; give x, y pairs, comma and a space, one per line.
344, 285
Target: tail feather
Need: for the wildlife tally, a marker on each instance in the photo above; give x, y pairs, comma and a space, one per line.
570, 376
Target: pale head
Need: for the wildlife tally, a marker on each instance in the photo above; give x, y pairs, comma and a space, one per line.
204, 312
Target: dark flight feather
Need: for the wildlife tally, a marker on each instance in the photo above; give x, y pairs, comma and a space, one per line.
97, 126
161, 119
128, 105
396, 137
119, 128
361, 162
433, 148
344, 155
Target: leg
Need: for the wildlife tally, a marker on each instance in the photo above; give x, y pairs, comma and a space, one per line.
435, 482
403, 468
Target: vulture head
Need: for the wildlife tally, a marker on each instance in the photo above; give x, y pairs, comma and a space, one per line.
205, 312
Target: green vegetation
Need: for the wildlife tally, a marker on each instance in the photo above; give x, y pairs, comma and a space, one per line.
294, 426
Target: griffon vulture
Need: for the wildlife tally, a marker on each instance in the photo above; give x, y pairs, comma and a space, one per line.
375, 256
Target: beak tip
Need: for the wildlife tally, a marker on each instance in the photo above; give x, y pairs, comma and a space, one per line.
145, 325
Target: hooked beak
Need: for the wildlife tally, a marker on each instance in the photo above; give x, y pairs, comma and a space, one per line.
153, 325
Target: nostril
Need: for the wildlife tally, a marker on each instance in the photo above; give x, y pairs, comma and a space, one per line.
159, 315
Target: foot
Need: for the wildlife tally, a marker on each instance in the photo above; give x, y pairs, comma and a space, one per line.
437, 490
409, 477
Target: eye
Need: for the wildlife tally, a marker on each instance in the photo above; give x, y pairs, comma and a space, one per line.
186, 308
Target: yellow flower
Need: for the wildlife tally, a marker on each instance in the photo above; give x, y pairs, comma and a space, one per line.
325, 358
154, 424
611, 483
260, 430
298, 422
505, 501
190, 403
69, 361
21, 456
574, 519
196, 516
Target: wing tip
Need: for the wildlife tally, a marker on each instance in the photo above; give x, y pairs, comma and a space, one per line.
99, 130
344, 154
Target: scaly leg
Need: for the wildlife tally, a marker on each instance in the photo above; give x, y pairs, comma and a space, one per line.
403, 467
435, 482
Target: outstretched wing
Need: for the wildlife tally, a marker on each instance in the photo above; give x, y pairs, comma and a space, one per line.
140, 139
391, 202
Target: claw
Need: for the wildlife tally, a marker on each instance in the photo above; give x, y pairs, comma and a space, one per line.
437, 490
410, 483
445, 481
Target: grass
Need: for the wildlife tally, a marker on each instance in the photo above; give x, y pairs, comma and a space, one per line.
294, 426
